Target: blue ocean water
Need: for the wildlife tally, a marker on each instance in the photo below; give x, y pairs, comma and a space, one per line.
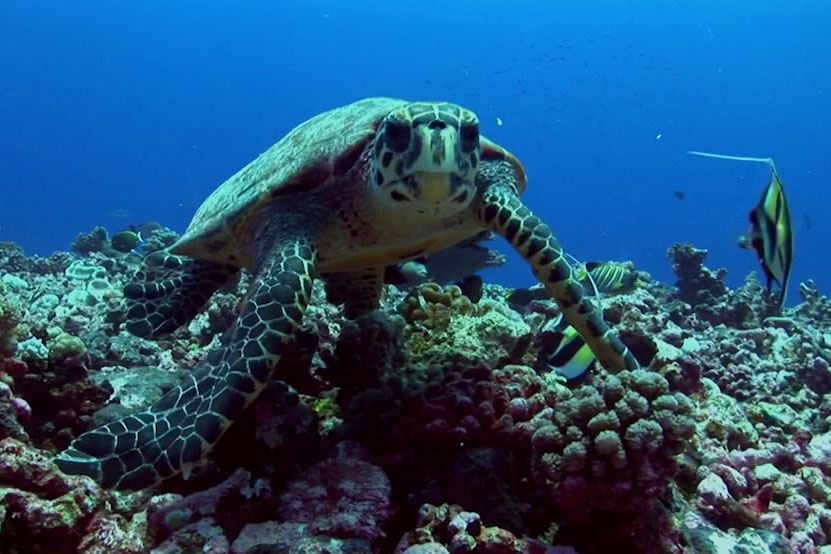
120, 112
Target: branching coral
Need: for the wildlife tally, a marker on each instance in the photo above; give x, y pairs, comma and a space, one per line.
696, 284
96, 240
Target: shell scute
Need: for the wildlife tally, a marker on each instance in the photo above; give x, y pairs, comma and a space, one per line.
323, 147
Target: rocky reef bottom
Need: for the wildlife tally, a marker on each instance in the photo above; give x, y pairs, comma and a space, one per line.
433, 425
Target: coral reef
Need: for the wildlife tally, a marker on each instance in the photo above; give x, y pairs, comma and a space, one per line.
341, 497
445, 327
611, 446
39, 506
432, 425
448, 528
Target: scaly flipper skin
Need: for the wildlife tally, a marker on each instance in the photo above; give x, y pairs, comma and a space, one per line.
179, 429
502, 211
360, 291
168, 291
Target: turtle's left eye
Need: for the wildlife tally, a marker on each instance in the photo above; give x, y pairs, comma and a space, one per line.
398, 136
470, 136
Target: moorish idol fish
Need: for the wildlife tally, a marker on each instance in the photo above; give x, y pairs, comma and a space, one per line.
564, 350
771, 231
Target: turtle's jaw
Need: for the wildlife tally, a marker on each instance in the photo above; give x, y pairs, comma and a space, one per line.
428, 193
434, 188
425, 158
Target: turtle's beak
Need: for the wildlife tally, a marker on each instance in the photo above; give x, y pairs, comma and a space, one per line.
435, 188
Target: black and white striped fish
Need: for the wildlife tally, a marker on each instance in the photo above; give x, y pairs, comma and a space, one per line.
771, 229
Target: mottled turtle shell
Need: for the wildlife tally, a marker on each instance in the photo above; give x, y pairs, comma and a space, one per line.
310, 155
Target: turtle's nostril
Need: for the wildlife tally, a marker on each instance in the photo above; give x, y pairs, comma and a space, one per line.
437, 124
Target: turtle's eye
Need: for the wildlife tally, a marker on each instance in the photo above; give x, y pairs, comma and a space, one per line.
399, 197
470, 137
398, 136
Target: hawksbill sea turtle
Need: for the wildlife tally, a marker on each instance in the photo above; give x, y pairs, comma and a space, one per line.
341, 196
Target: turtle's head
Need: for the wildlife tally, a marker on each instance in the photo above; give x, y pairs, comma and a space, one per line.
425, 158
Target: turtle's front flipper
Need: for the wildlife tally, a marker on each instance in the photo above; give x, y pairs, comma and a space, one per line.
179, 429
168, 291
360, 291
502, 211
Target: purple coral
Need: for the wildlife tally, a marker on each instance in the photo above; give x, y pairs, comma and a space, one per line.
610, 444
340, 497
448, 528
13, 411
39, 504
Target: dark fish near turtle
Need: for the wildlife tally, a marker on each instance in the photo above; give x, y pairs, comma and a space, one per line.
771, 229
519, 298
126, 240
472, 287
451, 265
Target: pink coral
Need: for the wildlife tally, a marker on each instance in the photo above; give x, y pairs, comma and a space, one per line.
449, 528
340, 497
13, 411
40, 504
111, 533
171, 513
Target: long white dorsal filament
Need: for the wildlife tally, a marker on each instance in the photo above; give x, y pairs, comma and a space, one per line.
768, 161
575, 261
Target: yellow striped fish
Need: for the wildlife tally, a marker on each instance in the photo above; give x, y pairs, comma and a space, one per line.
596, 277
608, 277
771, 230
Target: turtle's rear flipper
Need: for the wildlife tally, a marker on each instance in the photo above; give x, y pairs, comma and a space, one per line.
168, 291
178, 430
